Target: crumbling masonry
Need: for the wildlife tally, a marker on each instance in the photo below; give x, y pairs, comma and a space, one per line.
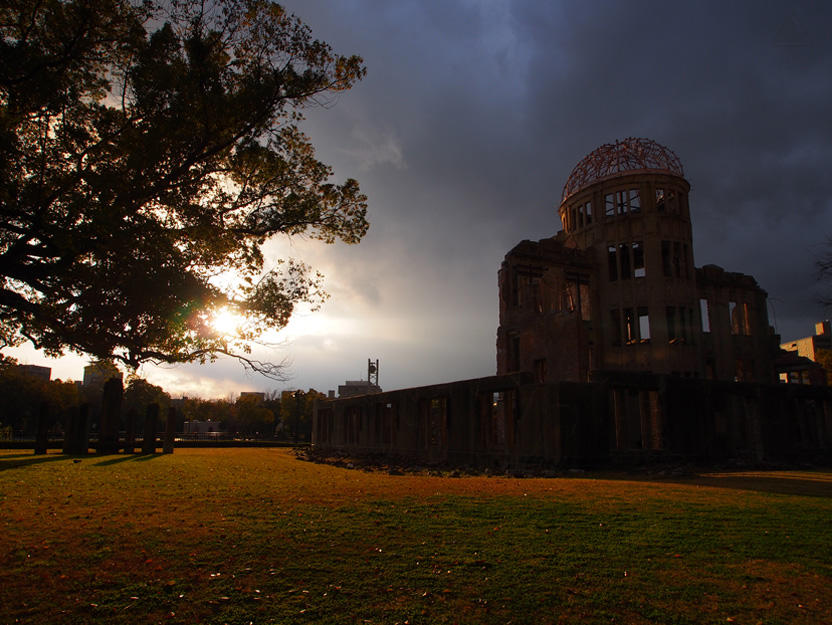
611, 345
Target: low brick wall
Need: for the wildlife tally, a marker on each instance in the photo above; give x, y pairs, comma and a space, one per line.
509, 420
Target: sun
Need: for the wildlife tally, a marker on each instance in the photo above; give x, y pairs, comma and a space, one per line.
226, 321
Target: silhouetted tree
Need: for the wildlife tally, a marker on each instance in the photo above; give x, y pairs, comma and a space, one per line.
23, 394
139, 393
253, 416
219, 410
296, 412
145, 149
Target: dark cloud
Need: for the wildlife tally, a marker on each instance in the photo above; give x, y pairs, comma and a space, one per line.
473, 114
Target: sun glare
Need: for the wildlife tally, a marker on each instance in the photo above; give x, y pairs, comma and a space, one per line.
226, 321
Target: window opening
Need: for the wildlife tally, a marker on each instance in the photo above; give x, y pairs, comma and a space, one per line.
611, 263
734, 316
496, 428
705, 314
588, 212
638, 260
746, 319
709, 368
540, 370
624, 259
609, 205
630, 331
660, 201
740, 374
568, 298
387, 415
621, 202
635, 201
586, 311
672, 202
677, 260
615, 320
534, 290
666, 268
670, 313
643, 324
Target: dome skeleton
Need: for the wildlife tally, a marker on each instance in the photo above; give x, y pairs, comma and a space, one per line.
626, 156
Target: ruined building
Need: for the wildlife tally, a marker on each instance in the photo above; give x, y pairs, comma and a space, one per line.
612, 346
617, 288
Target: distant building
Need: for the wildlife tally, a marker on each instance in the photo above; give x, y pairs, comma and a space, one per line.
97, 373
799, 359
808, 347
35, 371
351, 388
253, 395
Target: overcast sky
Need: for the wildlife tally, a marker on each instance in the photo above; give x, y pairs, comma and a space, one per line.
470, 119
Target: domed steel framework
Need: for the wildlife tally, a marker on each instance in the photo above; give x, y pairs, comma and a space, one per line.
629, 155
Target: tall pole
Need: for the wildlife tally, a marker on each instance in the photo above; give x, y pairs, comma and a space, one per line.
372, 371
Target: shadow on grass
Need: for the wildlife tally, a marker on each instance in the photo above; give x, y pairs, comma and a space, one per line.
805, 483
782, 482
146, 457
116, 460
17, 461
126, 458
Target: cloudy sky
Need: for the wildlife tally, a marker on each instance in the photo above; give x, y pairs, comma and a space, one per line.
470, 119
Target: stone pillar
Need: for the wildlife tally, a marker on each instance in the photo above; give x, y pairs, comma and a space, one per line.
110, 416
170, 428
69, 431
77, 434
42, 429
130, 440
150, 424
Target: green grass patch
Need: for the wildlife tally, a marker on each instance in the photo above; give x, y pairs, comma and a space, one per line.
240, 536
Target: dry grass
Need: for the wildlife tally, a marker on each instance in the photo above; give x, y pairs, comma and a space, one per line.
255, 535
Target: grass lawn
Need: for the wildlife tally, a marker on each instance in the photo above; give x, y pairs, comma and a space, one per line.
257, 536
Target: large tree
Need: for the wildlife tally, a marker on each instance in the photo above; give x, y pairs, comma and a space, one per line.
147, 151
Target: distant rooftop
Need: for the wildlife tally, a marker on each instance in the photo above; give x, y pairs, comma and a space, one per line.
350, 388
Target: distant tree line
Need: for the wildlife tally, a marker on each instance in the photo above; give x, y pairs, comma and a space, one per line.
286, 415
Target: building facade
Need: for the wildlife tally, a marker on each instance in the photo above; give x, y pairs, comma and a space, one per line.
617, 288
612, 346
